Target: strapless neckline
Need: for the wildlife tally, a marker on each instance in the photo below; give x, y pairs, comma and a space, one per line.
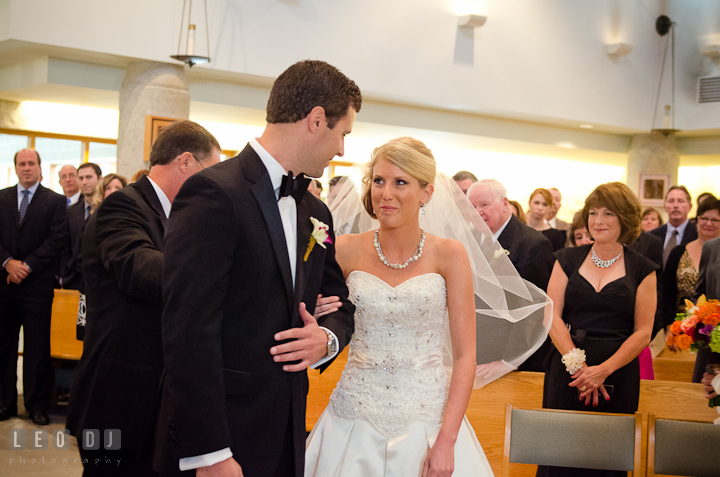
399, 284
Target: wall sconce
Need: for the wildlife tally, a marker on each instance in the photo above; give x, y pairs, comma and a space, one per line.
617, 50
711, 51
471, 21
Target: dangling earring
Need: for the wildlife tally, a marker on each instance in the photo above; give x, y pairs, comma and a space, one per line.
422, 209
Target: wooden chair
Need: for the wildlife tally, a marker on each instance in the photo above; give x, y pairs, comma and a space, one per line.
590, 440
678, 447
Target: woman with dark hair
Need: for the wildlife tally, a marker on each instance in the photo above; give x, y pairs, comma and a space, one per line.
681, 269
651, 219
604, 298
579, 234
541, 201
518, 211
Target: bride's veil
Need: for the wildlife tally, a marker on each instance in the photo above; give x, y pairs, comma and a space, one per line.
513, 315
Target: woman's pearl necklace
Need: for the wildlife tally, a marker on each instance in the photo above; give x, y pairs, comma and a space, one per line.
603, 263
397, 266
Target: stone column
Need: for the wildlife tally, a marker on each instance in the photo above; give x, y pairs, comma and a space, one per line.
148, 88
652, 153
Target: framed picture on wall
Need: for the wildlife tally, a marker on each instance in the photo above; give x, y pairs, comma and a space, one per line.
153, 126
652, 189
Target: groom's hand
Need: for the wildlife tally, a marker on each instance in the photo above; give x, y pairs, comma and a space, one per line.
308, 347
226, 468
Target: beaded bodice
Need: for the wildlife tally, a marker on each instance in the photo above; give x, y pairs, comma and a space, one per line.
395, 371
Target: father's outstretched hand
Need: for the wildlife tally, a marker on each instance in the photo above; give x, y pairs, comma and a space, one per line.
308, 347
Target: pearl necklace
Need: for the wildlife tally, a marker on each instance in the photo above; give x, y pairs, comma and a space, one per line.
603, 263
397, 266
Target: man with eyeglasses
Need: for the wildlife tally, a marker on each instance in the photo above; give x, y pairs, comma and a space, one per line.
118, 380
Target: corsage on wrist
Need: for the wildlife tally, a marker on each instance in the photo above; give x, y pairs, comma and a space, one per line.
573, 360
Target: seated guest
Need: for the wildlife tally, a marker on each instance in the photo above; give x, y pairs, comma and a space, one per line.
464, 179
604, 298
541, 201
651, 219
529, 251
579, 232
68, 179
518, 211
118, 380
315, 188
678, 230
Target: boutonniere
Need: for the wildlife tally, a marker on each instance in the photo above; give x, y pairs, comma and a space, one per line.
319, 235
499, 252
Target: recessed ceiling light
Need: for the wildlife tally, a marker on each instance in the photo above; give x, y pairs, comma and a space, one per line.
587, 126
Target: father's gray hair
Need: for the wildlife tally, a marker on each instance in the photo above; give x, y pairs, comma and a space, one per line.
498, 190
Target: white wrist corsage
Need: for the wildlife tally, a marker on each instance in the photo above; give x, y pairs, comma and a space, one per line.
573, 360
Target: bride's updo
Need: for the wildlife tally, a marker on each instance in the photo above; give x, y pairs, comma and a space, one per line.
409, 155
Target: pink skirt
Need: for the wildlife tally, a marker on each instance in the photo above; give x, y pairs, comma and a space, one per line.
646, 365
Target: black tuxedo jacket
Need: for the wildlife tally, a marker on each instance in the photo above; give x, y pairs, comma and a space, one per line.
689, 235
530, 251
70, 272
38, 241
228, 290
651, 246
117, 383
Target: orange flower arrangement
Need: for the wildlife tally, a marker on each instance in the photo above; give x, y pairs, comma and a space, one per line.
697, 327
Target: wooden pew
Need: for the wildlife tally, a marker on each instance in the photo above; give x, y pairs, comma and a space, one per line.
63, 341
486, 410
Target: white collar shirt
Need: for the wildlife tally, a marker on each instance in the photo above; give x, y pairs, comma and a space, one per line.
164, 201
680, 229
32, 189
501, 229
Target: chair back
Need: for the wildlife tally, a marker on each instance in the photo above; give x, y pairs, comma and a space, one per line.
589, 440
683, 447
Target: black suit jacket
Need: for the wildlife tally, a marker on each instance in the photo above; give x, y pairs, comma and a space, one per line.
38, 241
689, 235
708, 282
70, 272
117, 383
530, 251
651, 246
228, 290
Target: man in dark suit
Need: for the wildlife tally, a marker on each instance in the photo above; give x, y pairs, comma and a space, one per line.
71, 277
679, 230
68, 179
118, 380
33, 234
529, 251
237, 336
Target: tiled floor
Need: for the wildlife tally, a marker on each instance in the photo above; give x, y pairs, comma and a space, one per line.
29, 462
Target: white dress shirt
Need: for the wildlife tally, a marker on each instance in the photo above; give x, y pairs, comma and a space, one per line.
288, 214
164, 201
73, 198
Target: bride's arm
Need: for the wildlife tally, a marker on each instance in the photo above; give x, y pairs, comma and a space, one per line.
456, 269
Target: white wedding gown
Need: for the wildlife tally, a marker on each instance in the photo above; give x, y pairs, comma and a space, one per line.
388, 406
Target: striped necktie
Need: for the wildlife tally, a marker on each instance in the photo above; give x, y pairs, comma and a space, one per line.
23, 204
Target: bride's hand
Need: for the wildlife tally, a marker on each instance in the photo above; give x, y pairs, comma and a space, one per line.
440, 461
326, 305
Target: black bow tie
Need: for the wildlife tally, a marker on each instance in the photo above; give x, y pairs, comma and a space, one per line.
295, 187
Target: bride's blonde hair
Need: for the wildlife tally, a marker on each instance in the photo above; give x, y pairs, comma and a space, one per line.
409, 155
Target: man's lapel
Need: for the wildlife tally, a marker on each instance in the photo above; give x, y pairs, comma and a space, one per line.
12, 205
304, 229
38, 197
147, 189
264, 193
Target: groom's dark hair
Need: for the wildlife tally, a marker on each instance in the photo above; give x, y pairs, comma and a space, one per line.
179, 137
308, 84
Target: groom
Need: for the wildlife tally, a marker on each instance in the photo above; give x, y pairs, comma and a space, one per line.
237, 337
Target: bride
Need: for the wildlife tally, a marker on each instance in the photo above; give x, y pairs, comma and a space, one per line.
393, 411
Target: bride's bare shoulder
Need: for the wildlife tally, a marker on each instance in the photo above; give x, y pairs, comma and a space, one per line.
350, 247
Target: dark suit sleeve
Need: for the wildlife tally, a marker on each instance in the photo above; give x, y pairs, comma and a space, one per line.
126, 248
705, 257
342, 322
200, 241
538, 267
669, 286
57, 240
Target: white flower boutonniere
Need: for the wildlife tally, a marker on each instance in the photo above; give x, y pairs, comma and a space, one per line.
319, 235
498, 253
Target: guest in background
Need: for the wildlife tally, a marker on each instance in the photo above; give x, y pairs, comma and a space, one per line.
517, 211
551, 216
705, 196
604, 305
651, 219
464, 179
579, 232
33, 234
110, 183
315, 188
142, 172
681, 270
678, 230
334, 186
67, 176
708, 284
541, 201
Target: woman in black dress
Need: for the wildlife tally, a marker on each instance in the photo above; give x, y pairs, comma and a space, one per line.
604, 298
541, 201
